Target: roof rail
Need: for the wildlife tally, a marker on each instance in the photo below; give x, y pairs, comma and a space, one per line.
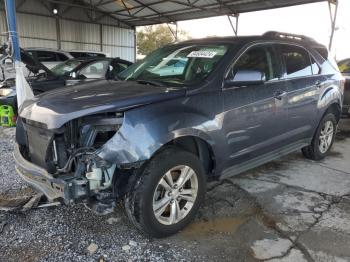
276, 34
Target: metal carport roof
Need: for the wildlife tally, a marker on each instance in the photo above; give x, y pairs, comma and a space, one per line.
147, 12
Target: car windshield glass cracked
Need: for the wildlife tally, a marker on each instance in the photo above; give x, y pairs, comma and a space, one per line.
177, 65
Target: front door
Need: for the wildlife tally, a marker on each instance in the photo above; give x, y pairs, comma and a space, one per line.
255, 112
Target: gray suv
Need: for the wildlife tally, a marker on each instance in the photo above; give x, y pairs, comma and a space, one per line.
188, 113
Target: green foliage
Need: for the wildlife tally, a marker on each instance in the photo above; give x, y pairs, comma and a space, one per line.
150, 38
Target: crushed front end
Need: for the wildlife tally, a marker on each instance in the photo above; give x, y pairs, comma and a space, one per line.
63, 163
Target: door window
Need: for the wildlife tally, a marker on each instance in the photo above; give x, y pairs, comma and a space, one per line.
95, 70
297, 61
257, 59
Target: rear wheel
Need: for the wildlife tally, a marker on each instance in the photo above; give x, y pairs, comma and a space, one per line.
168, 193
323, 138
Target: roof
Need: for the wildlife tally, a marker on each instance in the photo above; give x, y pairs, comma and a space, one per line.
147, 12
268, 36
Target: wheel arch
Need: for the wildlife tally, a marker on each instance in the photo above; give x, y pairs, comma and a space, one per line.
197, 146
335, 109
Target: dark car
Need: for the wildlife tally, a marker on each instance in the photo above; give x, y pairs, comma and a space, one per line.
344, 67
153, 140
91, 68
69, 73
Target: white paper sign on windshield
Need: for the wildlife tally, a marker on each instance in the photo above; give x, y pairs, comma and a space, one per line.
202, 54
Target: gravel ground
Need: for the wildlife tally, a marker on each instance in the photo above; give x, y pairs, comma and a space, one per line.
288, 210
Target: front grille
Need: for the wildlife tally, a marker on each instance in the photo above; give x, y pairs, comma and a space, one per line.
39, 144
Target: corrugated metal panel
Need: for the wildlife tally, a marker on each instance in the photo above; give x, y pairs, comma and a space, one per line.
3, 27
80, 46
29, 42
79, 32
117, 36
36, 26
127, 53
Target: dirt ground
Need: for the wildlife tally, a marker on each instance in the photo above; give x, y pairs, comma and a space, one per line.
291, 209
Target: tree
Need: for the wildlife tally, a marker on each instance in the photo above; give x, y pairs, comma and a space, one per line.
150, 38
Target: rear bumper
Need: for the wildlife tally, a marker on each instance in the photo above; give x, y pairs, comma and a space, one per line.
53, 188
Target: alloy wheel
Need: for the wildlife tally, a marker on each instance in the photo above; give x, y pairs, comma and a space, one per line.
175, 195
326, 136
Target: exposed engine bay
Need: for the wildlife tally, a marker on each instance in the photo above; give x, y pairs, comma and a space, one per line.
70, 152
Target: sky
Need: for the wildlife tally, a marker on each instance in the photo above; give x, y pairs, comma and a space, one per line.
312, 20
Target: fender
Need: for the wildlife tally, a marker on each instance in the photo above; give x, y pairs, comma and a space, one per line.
146, 129
331, 95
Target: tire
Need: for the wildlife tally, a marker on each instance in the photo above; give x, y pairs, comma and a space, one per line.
315, 151
142, 202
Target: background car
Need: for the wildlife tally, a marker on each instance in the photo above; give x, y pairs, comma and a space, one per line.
87, 69
71, 72
48, 57
344, 67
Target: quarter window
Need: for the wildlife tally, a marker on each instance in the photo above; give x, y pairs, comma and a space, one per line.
297, 61
257, 59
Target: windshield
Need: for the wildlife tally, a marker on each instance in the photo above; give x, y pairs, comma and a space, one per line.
179, 65
344, 66
65, 67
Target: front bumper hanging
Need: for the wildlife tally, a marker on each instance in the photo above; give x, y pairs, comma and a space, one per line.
55, 189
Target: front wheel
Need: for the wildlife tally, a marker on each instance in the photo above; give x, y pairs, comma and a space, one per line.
168, 193
323, 138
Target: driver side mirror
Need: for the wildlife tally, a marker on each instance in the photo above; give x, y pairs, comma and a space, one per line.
246, 78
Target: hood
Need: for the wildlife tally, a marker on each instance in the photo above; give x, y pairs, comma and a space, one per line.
61, 105
33, 65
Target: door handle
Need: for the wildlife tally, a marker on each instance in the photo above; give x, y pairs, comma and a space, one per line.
279, 94
318, 84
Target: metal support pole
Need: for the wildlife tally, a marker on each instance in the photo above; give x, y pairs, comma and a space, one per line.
101, 38
333, 16
10, 7
234, 27
58, 32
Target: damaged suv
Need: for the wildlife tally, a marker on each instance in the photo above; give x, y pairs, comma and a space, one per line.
188, 113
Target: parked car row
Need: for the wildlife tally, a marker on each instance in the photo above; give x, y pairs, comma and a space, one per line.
51, 57
70, 72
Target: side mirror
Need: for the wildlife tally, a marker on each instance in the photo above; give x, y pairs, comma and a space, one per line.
246, 78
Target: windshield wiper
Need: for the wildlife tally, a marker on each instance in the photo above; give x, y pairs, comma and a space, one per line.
150, 82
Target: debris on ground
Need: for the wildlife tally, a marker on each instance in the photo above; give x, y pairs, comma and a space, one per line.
113, 220
126, 248
92, 248
132, 243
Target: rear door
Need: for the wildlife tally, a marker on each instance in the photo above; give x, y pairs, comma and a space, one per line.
255, 115
303, 82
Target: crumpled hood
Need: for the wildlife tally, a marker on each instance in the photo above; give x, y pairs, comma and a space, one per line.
61, 105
